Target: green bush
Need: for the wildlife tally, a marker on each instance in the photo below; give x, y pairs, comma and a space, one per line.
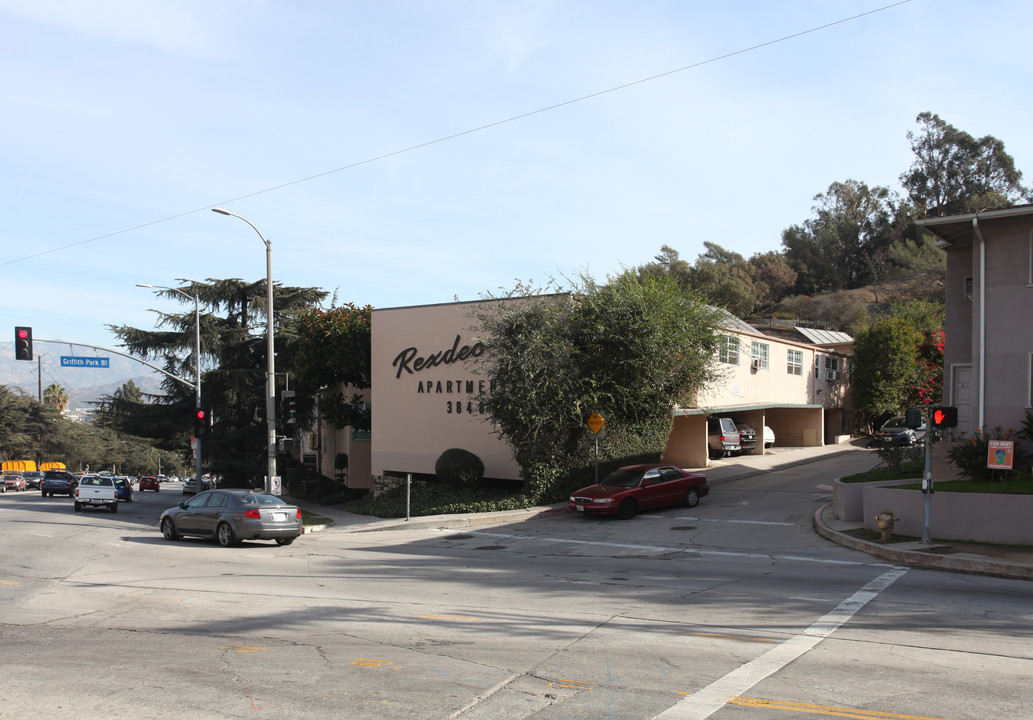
459, 467
902, 458
969, 455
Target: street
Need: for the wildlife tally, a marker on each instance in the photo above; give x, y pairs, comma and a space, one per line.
732, 609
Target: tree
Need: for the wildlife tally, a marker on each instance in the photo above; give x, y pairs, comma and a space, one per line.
55, 397
333, 347
630, 349
883, 368
233, 362
955, 173
846, 243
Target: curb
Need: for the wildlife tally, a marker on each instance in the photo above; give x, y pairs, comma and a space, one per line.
912, 557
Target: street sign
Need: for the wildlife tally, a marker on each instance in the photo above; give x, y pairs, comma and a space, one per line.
85, 362
596, 423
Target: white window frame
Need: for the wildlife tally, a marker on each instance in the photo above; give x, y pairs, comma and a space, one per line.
817, 366
794, 362
1029, 276
730, 349
760, 352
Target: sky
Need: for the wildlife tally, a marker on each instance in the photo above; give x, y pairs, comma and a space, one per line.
410, 152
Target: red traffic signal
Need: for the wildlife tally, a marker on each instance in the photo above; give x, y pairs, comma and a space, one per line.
23, 343
200, 423
944, 417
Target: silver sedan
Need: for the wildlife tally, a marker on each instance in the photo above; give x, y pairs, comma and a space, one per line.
230, 516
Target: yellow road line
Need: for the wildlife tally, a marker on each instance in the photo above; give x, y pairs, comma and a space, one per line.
450, 617
734, 637
824, 709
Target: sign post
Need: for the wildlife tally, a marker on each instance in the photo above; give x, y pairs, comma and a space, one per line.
597, 424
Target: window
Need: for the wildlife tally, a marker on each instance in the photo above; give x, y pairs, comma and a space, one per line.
1029, 279
759, 355
1029, 387
968, 289
817, 366
831, 368
794, 362
729, 350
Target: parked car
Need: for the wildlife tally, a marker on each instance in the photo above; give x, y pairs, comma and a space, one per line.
769, 437
638, 487
123, 489
58, 482
747, 437
32, 479
190, 486
230, 516
896, 432
722, 436
149, 482
14, 482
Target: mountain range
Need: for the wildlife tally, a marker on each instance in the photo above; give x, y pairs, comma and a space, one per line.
84, 386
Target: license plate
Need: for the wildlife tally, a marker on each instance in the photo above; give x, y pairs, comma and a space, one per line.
279, 516
580, 508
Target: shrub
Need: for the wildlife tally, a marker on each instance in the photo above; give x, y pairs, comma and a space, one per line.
459, 467
901, 458
970, 455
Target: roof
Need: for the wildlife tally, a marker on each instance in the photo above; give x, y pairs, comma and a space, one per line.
727, 320
953, 229
824, 337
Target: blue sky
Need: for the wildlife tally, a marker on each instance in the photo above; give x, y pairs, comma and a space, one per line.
125, 121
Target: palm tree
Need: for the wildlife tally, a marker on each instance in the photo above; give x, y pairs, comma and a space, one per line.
56, 397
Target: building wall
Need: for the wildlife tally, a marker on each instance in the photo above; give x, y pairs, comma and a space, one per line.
1008, 316
424, 375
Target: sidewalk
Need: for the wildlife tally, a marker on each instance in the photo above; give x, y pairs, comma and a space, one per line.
997, 560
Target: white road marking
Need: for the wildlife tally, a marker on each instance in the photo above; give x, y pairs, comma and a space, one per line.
713, 697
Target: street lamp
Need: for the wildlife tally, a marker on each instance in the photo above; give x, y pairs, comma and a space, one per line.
270, 373
197, 360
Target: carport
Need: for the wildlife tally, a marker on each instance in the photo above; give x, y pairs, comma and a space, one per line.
793, 425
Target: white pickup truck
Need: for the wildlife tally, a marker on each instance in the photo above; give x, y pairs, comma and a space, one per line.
96, 491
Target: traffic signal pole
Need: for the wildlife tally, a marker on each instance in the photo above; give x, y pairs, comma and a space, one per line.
927, 481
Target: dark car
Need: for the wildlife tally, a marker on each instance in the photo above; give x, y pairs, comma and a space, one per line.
123, 489
149, 482
747, 437
230, 516
58, 482
896, 432
33, 478
638, 487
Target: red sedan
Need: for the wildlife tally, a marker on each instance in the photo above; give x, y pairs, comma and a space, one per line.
638, 487
150, 483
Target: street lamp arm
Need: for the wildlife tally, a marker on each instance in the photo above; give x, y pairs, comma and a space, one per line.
224, 211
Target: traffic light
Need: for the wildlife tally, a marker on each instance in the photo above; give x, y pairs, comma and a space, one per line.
200, 423
23, 343
289, 408
913, 418
944, 417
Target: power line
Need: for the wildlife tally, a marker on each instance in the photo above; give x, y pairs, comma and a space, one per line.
463, 133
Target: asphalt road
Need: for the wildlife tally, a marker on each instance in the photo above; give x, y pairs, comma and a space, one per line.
733, 609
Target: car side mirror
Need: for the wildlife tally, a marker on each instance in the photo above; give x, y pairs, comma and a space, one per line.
182, 505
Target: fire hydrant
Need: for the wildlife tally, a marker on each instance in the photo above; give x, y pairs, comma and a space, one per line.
885, 521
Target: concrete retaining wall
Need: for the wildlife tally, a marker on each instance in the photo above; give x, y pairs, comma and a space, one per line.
976, 517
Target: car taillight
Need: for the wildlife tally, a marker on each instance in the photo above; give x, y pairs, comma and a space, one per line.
299, 514
254, 514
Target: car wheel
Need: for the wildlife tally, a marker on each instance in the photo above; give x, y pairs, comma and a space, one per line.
627, 509
284, 541
78, 506
225, 535
169, 530
692, 497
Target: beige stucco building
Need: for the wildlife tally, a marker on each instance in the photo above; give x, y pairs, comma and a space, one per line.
424, 389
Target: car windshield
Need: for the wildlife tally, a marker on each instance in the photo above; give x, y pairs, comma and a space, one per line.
895, 424
261, 499
625, 477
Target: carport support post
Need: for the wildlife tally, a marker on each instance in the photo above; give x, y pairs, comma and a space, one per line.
408, 490
597, 459
927, 484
